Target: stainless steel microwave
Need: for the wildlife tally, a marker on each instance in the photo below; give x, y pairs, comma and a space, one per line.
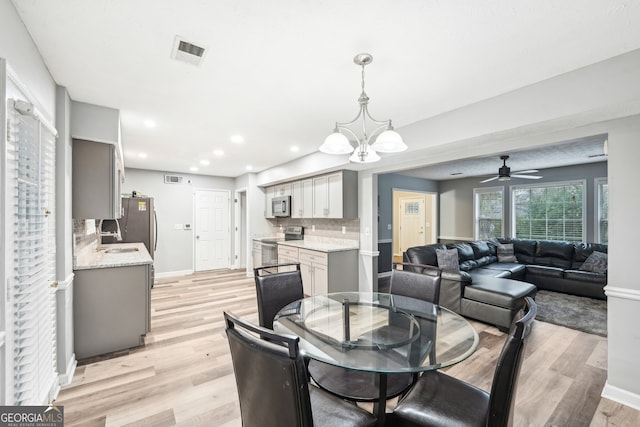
281, 206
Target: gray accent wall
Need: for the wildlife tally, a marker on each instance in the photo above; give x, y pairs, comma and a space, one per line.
174, 204
386, 184
456, 198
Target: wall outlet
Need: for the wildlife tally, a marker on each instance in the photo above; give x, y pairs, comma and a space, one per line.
177, 226
344, 230
388, 226
313, 228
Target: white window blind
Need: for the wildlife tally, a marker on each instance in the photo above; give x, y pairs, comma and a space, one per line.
488, 212
549, 212
602, 188
31, 338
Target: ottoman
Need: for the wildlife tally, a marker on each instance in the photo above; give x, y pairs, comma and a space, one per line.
495, 300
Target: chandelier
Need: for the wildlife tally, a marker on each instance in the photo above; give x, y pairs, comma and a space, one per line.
386, 139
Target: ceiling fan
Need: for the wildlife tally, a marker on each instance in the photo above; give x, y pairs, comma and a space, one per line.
504, 173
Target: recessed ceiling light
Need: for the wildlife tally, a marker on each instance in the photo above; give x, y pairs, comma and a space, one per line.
204, 162
249, 167
238, 139
295, 148
218, 152
149, 123
142, 155
193, 169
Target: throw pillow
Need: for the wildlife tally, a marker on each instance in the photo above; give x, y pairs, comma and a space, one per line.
506, 253
596, 263
448, 259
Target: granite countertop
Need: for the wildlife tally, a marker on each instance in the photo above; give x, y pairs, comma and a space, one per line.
112, 255
321, 246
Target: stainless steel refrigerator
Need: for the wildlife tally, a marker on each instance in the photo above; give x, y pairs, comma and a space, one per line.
138, 223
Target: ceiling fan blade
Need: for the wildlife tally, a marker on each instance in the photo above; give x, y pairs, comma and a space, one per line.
490, 179
526, 176
525, 172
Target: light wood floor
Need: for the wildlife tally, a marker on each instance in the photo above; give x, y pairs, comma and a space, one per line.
183, 376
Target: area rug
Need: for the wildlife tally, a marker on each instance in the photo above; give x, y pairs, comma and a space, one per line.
581, 313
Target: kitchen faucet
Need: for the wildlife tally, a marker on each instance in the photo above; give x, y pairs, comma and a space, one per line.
100, 234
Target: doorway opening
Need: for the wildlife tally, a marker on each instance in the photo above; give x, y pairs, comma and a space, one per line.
415, 220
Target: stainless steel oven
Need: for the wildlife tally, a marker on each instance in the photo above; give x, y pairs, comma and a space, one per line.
269, 252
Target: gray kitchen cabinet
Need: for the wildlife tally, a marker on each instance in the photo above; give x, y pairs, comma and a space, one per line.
111, 309
302, 199
336, 195
256, 254
97, 180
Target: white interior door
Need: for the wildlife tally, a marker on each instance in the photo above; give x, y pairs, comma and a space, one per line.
212, 230
412, 222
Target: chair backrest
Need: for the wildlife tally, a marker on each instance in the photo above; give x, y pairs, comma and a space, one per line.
505, 380
275, 289
270, 375
407, 282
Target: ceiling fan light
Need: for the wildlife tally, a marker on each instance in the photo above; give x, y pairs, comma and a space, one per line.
389, 141
504, 178
369, 155
336, 143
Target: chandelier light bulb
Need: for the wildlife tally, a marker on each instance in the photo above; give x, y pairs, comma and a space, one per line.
389, 141
336, 143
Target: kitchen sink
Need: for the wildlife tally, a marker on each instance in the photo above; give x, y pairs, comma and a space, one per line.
121, 250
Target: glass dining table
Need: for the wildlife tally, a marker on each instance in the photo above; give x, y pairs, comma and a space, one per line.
378, 333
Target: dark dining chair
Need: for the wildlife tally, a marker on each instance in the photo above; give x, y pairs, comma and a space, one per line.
276, 286
439, 400
272, 383
407, 282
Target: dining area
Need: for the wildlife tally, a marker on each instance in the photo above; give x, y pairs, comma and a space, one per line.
337, 359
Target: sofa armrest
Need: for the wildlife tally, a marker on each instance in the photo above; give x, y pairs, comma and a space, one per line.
452, 286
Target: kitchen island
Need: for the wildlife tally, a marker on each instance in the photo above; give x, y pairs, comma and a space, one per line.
112, 298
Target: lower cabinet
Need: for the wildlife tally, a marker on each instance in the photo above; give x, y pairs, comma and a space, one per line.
325, 272
110, 309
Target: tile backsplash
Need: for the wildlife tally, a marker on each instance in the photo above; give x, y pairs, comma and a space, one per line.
84, 233
325, 229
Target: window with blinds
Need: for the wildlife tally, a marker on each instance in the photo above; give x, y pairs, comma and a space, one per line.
602, 220
488, 210
30, 178
549, 212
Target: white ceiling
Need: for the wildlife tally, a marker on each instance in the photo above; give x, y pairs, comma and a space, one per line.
280, 73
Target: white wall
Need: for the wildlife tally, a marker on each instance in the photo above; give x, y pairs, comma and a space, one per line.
174, 204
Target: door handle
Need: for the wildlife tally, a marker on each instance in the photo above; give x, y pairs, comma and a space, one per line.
197, 237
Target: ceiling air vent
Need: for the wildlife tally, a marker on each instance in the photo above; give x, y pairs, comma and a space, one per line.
187, 52
173, 179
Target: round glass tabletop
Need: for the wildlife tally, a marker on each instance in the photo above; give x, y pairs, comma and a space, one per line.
377, 332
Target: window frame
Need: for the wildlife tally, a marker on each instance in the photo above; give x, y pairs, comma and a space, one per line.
514, 188
476, 193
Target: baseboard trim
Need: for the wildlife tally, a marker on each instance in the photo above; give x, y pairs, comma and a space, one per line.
619, 395
173, 273
369, 253
65, 379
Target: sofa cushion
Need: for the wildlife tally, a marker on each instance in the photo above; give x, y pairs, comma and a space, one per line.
448, 259
545, 271
515, 268
466, 256
554, 253
423, 254
506, 253
596, 263
585, 276
500, 292
480, 272
482, 252
525, 249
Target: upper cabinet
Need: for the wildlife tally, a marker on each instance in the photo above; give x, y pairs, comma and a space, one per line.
336, 195
98, 169
97, 178
275, 191
302, 199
